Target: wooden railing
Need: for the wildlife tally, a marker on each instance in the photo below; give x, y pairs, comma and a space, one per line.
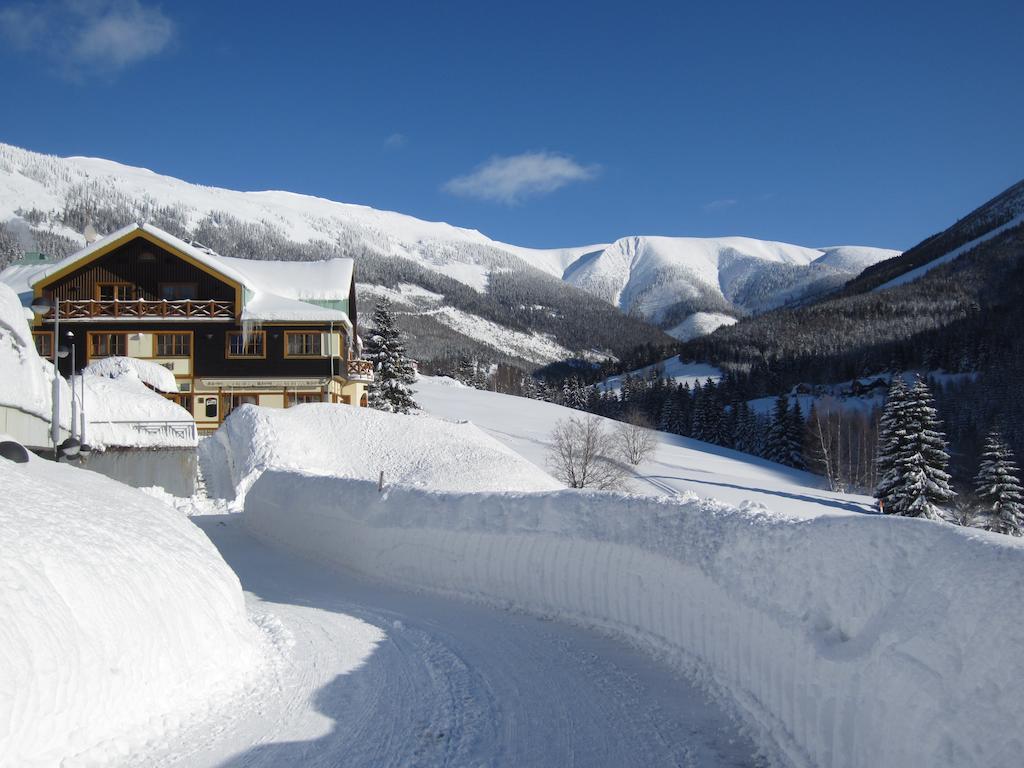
187, 309
359, 370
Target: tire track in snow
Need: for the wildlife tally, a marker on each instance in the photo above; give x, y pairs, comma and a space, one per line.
442, 683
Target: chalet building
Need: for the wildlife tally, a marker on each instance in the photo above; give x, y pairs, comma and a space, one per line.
232, 331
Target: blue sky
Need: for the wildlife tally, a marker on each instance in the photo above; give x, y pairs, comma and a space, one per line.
546, 124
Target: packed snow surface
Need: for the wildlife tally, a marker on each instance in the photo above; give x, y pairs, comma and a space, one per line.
361, 443
119, 618
847, 642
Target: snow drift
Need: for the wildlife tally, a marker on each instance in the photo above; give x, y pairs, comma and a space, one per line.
847, 642
361, 443
119, 617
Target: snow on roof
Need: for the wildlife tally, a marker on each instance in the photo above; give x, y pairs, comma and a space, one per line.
275, 290
146, 371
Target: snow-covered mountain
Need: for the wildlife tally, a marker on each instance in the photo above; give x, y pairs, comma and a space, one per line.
669, 279
532, 294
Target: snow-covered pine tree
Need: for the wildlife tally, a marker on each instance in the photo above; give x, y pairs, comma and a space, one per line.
999, 489
777, 440
892, 434
393, 373
918, 484
795, 437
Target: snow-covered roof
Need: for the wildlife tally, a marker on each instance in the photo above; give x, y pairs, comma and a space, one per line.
272, 290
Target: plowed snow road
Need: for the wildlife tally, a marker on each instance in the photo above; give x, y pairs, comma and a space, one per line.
382, 677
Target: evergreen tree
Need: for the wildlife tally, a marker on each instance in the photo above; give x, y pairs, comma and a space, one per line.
999, 488
393, 373
917, 483
892, 434
795, 438
777, 441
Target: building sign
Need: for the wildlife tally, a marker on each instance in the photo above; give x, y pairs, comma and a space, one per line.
262, 383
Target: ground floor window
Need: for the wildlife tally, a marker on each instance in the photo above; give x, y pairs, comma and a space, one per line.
44, 343
235, 401
107, 344
298, 398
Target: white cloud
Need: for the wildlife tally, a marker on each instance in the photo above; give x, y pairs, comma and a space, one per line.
720, 205
88, 35
512, 179
396, 140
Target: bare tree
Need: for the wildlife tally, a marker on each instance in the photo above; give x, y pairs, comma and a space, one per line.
635, 437
580, 454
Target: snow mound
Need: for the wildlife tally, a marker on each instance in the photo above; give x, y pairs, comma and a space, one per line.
119, 618
847, 642
155, 375
124, 412
360, 443
25, 379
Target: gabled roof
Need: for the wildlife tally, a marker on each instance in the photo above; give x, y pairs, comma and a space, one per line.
269, 291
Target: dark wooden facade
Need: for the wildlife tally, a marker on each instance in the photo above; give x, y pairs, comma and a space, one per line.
141, 274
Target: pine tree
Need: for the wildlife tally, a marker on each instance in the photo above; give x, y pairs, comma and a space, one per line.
999, 488
393, 373
777, 443
892, 433
916, 483
793, 452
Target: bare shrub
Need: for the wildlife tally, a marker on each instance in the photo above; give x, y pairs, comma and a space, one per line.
581, 454
635, 438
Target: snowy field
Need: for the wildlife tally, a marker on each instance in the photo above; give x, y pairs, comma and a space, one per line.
679, 465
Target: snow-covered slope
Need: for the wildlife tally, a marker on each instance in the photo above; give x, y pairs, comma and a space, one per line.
679, 465
361, 443
667, 279
664, 279
119, 618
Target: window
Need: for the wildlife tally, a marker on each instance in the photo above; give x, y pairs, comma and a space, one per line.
115, 291
44, 343
298, 398
302, 344
178, 291
173, 344
251, 345
211, 407
234, 401
107, 344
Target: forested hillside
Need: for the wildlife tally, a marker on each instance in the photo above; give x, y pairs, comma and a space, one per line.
964, 315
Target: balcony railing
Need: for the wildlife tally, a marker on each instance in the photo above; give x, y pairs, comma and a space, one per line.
359, 370
187, 309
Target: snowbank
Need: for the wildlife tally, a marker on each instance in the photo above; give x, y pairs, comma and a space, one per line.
159, 378
123, 412
119, 618
26, 379
847, 642
361, 443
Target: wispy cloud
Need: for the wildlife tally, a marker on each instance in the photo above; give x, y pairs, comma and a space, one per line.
719, 205
396, 141
88, 36
513, 179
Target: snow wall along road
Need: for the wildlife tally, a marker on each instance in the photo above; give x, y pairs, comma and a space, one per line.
845, 641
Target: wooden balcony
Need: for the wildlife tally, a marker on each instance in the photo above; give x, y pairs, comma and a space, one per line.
94, 309
359, 370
